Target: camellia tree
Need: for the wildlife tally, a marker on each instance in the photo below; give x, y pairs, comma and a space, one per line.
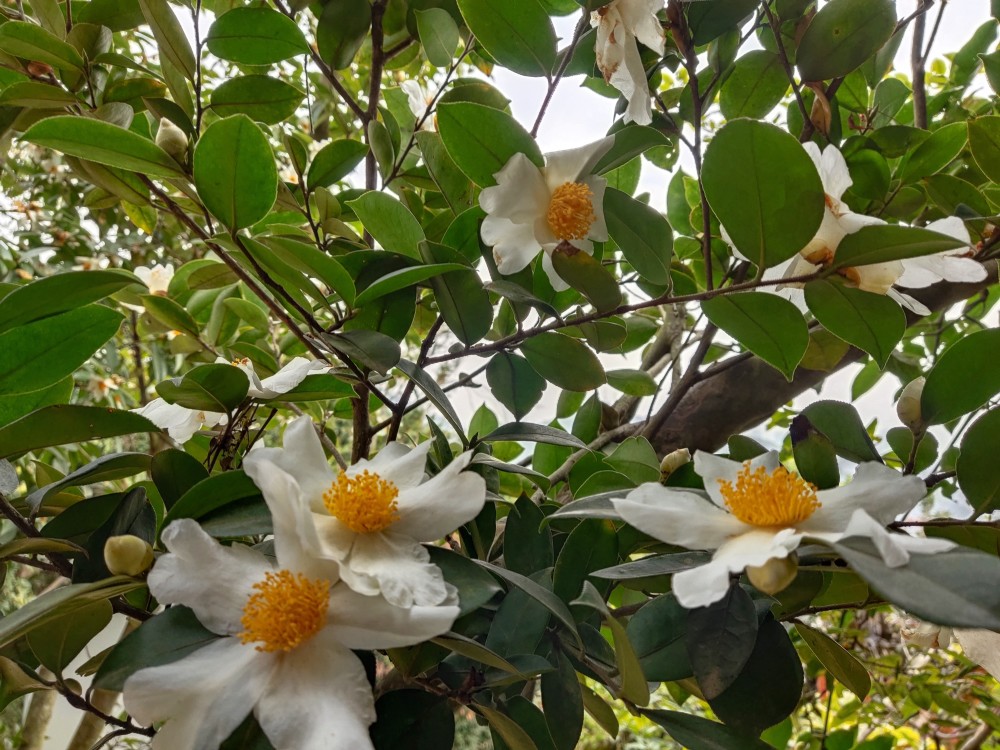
257, 258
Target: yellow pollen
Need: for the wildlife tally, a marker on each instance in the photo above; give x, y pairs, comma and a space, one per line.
287, 610
779, 499
241, 361
571, 211
364, 503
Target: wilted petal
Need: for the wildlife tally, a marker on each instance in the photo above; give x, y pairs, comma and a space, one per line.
982, 647
639, 17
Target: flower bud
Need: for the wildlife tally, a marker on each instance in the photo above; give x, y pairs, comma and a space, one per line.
775, 575
908, 406
673, 461
127, 555
172, 139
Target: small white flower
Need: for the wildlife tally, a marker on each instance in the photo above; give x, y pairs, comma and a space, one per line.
619, 25
758, 511
156, 278
419, 99
372, 518
286, 630
182, 423
531, 208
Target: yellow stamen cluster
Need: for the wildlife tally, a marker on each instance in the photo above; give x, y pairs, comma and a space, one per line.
779, 499
286, 610
364, 503
241, 361
571, 211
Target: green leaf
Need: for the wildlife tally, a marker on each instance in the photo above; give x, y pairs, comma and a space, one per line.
984, 142
644, 236
37, 95
977, 463
696, 733
588, 276
438, 34
872, 322
170, 314
263, 98
768, 325
778, 206
32, 42
213, 388
370, 348
390, 223
657, 633
654, 565
814, 454
514, 383
413, 718
964, 378
461, 299
708, 22
887, 242
433, 392
341, 30
335, 161
842, 425
166, 638
564, 361
103, 469
57, 643
842, 36
255, 36
55, 294
509, 731
755, 87
404, 278
211, 494
235, 173
593, 544
632, 382
960, 588
18, 405
104, 143
171, 40
175, 472
630, 142
475, 586
720, 639
840, 663
40, 354
562, 701
531, 433
482, 140
318, 388
527, 545
769, 687
518, 34
935, 153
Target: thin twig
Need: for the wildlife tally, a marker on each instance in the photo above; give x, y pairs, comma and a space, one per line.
578, 32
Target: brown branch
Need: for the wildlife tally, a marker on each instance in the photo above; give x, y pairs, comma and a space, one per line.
425, 349
917, 65
578, 32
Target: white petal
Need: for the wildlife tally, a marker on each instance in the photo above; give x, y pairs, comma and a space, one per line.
953, 227
908, 302
630, 79
851, 222
877, 489
677, 516
894, 549
440, 505
558, 283
301, 456
878, 278
930, 269
337, 542
715, 469
401, 567
180, 422
572, 165
520, 194
415, 97
318, 699
403, 466
514, 245
203, 696
834, 173
200, 573
640, 19
701, 586
599, 229
370, 622
289, 376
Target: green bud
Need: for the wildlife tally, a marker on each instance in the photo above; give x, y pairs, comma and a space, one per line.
127, 555
673, 461
908, 406
775, 575
172, 139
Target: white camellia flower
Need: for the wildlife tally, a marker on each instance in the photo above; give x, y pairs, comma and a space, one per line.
156, 278
531, 208
419, 100
619, 25
757, 511
980, 646
182, 423
285, 652
372, 518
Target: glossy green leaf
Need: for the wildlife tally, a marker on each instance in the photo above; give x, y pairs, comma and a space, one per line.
720, 639
514, 383
212, 388
935, 153
415, 718
369, 348
814, 453
872, 322
984, 142
588, 276
390, 222
55, 294
697, 733
632, 382
977, 463
56, 643
403, 279
842, 36
842, 425
103, 469
171, 40
475, 586
768, 325
527, 544
512, 734
341, 30
482, 140
438, 34
562, 702
518, 34
654, 565
755, 87
255, 36
778, 205
32, 42
564, 361
658, 635
433, 392
839, 662
629, 142
964, 378
234, 172
262, 98
211, 494
708, 22
170, 314
104, 143
590, 546
175, 472
40, 354
461, 299
887, 242
17, 405
37, 95
644, 236
335, 161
